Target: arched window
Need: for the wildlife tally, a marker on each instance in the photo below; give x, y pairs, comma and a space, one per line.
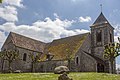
24, 57
110, 37
77, 60
99, 36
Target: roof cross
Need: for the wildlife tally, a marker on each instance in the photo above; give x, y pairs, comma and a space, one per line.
101, 7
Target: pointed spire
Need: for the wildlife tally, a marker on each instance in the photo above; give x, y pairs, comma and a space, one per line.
101, 19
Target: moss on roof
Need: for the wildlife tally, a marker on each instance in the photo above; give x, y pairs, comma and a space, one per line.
66, 48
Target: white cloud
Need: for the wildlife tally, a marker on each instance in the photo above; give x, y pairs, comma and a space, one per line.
117, 66
116, 38
117, 32
8, 9
45, 31
17, 3
9, 13
2, 38
86, 19
56, 15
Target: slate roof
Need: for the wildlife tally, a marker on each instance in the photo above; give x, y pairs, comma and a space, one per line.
101, 19
66, 47
27, 43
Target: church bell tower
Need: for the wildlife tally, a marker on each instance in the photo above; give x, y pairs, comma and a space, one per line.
102, 33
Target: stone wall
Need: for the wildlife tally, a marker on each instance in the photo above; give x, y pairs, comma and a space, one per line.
85, 61
24, 66
20, 64
49, 66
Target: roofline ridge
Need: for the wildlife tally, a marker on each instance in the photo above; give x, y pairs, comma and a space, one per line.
26, 37
71, 36
83, 42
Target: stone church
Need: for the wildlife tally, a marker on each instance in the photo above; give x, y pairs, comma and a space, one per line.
81, 53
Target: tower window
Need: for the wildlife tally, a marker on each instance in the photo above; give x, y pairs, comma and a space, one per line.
24, 57
77, 60
99, 36
110, 37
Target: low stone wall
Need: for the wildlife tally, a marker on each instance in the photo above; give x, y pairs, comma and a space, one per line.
48, 66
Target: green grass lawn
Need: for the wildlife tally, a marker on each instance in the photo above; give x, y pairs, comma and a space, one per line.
51, 76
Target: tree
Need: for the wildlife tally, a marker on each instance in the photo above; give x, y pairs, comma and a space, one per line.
0, 1
69, 57
2, 59
111, 51
35, 59
10, 56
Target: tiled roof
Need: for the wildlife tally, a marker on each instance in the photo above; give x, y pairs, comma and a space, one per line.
66, 47
27, 43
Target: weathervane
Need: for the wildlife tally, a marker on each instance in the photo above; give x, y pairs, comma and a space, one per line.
101, 7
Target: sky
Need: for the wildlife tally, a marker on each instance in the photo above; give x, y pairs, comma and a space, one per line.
46, 20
